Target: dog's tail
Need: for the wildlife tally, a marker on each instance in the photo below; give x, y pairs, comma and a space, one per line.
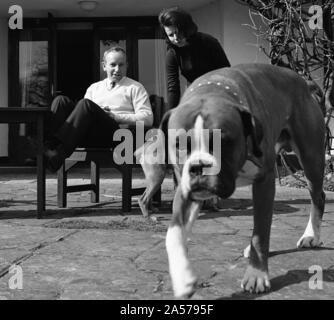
148, 152
141, 151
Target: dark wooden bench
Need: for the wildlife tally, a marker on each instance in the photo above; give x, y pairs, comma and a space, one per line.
96, 156
31, 115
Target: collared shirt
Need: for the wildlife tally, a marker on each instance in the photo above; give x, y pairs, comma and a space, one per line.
128, 100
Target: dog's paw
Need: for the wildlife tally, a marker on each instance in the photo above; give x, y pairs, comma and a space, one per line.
247, 251
309, 242
187, 288
255, 281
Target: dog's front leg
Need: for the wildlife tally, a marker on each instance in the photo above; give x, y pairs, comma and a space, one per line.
185, 213
256, 278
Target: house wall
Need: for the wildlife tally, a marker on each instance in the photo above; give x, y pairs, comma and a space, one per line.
3, 84
224, 20
209, 20
240, 42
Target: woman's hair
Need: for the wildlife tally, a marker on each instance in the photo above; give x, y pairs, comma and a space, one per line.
177, 18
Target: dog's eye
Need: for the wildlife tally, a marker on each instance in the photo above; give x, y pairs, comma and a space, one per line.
226, 142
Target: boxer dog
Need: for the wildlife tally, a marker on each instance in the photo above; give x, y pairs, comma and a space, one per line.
257, 110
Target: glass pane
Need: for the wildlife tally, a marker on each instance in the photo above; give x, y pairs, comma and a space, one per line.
105, 45
152, 73
33, 73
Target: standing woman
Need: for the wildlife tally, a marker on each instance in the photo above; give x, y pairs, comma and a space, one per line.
192, 52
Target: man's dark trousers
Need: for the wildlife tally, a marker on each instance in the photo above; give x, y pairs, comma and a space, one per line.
84, 124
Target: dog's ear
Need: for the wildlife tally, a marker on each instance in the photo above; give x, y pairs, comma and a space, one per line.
252, 129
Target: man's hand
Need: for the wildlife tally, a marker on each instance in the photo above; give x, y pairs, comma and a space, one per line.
108, 110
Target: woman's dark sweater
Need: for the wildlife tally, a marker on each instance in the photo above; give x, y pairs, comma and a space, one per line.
202, 54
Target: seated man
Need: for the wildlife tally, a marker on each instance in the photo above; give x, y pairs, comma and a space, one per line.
93, 120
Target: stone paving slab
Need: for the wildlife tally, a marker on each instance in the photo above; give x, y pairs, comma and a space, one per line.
94, 251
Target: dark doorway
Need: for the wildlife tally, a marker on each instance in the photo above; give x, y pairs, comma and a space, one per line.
75, 62
74, 74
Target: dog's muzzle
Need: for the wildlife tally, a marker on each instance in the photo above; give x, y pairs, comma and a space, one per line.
197, 173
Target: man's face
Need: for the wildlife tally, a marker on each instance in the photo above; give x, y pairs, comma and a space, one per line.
115, 66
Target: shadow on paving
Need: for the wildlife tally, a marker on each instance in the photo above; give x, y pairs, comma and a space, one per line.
91, 211
126, 223
105, 208
228, 208
244, 207
279, 252
290, 278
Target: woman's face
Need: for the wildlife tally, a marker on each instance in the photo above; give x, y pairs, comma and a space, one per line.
175, 37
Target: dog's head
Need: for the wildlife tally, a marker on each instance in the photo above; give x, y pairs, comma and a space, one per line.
209, 140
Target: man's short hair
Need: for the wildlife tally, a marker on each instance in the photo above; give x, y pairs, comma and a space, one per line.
113, 49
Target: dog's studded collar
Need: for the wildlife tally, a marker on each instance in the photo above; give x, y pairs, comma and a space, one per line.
231, 88
225, 86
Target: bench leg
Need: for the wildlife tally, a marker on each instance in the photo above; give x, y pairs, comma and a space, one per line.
126, 188
62, 185
157, 197
95, 181
41, 176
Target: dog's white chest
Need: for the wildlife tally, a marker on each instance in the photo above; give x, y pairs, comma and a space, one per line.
247, 174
